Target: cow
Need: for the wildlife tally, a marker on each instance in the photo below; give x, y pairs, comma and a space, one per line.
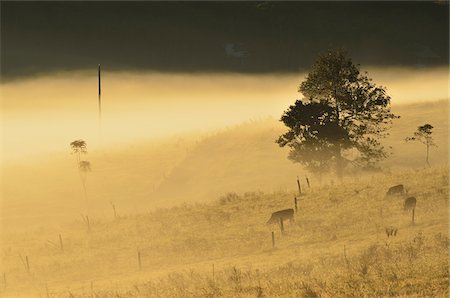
282, 214
396, 190
410, 203
391, 231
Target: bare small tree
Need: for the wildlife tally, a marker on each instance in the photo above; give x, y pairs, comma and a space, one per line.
424, 136
84, 167
79, 147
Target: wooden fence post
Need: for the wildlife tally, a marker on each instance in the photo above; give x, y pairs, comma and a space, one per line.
61, 243
307, 182
413, 209
139, 260
114, 209
345, 257
299, 187
27, 263
281, 225
273, 239
295, 204
88, 223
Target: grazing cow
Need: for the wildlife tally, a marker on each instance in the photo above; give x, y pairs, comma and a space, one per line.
391, 231
396, 190
284, 214
410, 203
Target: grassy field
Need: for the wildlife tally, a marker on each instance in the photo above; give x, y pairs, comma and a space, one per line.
186, 168
336, 247
209, 237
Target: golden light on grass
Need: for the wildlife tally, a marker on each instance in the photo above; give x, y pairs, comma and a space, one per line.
185, 175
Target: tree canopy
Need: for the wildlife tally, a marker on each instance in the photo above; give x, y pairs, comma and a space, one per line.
78, 147
424, 136
342, 111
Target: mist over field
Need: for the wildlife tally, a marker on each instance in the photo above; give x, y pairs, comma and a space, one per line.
241, 149
161, 121
43, 114
204, 147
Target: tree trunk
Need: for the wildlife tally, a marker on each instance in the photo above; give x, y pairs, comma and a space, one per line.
339, 163
339, 160
428, 151
85, 192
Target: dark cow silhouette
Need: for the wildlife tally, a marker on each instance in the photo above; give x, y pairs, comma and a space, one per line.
396, 190
284, 214
391, 231
410, 203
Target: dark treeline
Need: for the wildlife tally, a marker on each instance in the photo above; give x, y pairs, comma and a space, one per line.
253, 37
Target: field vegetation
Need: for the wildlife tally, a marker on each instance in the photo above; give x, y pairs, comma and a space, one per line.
186, 217
337, 246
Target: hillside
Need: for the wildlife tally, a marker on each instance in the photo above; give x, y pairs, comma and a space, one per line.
124, 175
241, 158
412, 116
246, 157
145, 175
336, 247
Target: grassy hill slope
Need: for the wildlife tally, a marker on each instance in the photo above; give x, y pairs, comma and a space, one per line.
143, 176
246, 157
241, 158
336, 247
411, 116
48, 190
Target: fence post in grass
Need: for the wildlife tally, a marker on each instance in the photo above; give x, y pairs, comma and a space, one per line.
299, 187
27, 263
88, 223
295, 204
345, 257
139, 260
307, 181
281, 225
273, 239
114, 209
413, 211
61, 243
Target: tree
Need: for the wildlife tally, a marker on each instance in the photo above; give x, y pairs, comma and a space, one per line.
78, 147
84, 167
424, 136
342, 112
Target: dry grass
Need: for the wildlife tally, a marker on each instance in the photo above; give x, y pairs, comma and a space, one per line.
337, 247
139, 176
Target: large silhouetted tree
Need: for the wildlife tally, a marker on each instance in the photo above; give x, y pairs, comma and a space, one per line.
342, 111
424, 136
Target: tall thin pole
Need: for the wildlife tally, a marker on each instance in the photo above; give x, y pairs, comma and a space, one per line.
99, 97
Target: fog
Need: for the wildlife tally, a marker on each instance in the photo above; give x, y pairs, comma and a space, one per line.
185, 175
43, 114
171, 138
